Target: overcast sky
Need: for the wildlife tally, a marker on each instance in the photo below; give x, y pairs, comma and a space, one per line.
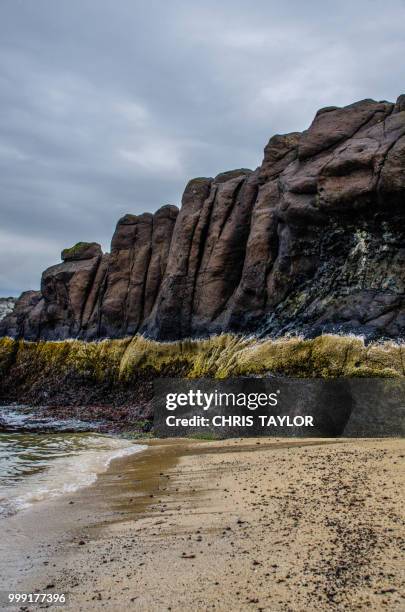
110, 106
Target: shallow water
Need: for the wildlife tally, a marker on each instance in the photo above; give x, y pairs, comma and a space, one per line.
38, 465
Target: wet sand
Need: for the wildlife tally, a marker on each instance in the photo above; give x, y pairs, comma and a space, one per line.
252, 524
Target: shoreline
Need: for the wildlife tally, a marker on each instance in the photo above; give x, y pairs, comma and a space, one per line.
265, 524
64, 474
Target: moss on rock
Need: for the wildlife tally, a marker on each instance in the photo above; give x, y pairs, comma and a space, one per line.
25, 366
81, 250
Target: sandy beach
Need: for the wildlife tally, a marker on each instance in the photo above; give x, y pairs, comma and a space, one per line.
252, 524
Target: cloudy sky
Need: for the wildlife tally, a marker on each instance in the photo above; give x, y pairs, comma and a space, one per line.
110, 106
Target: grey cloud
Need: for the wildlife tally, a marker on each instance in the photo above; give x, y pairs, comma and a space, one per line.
110, 107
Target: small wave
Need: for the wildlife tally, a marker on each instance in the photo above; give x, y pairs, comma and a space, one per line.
66, 474
16, 419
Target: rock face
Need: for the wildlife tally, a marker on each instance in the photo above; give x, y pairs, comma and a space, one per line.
6, 306
312, 241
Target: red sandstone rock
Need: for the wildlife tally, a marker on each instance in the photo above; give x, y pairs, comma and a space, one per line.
311, 241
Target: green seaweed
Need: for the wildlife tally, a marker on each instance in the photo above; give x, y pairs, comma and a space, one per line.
115, 362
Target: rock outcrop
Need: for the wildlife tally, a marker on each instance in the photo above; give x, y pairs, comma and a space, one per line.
312, 241
6, 306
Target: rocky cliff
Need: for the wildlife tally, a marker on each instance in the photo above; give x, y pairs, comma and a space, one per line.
312, 241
